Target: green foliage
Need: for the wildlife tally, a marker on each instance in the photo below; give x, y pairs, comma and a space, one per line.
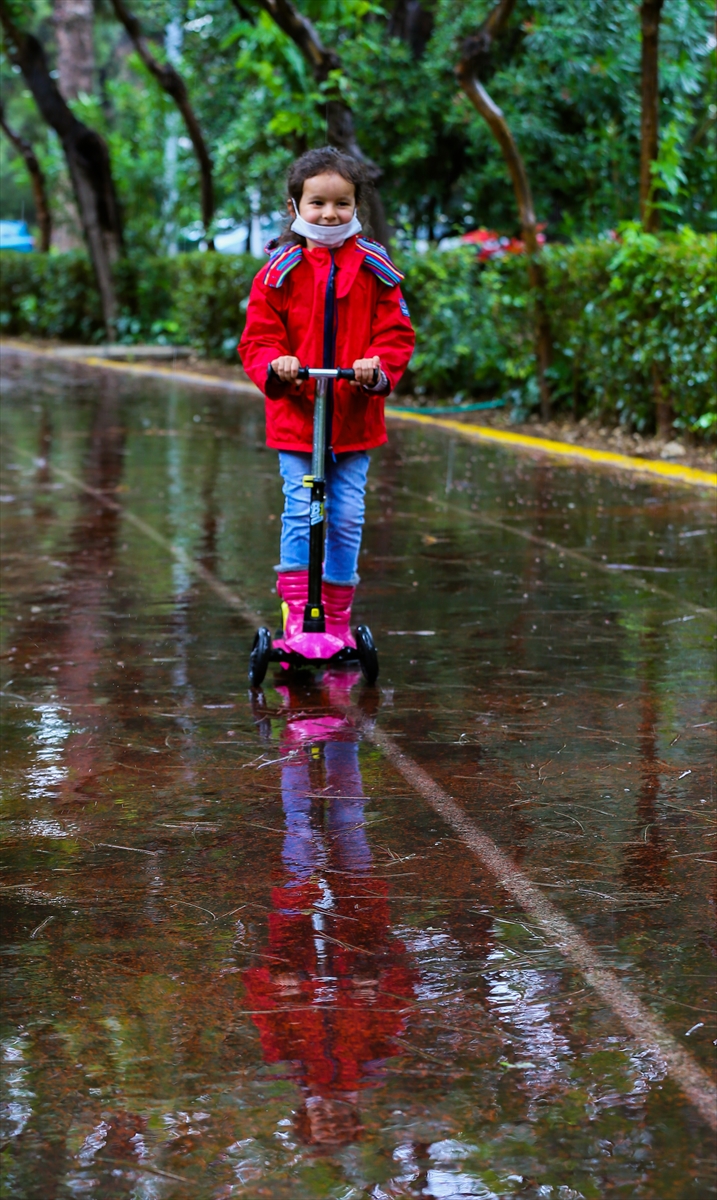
49, 295
452, 299
622, 312
631, 313
566, 74
210, 300
190, 298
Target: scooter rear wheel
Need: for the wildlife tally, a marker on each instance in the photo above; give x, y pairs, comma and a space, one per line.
260, 656
367, 653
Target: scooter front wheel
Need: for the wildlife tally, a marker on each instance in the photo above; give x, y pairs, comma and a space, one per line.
260, 656
367, 653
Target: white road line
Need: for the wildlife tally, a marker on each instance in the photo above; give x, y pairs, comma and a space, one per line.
635, 1015
563, 552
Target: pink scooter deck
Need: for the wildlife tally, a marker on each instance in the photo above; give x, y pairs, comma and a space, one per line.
316, 647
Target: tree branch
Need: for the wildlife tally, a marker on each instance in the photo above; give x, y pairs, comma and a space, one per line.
475, 57
87, 157
172, 83
499, 127
650, 13
413, 24
37, 179
339, 117
301, 31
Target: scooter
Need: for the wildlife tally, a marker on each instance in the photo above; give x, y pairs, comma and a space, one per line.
313, 646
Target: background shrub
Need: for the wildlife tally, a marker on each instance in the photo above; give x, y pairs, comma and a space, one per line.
473, 324
623, 313
627, 313
209, 300
49, 295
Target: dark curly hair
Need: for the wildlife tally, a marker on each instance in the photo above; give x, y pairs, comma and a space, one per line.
325, 160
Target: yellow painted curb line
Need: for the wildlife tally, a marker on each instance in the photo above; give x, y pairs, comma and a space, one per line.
229, 385
91, 360
671, 472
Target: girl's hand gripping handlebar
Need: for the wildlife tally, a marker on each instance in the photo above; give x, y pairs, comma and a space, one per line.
288, 374
332, 373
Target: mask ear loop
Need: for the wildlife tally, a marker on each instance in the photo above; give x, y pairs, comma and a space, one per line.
294, 204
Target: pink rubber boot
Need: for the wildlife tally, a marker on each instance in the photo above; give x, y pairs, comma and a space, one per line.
337, 599
293, 590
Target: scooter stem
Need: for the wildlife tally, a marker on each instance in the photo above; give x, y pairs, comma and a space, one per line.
319, 445
314, 620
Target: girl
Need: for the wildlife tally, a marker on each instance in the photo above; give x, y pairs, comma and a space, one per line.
328, 297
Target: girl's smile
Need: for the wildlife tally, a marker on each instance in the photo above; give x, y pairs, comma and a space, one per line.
327, 199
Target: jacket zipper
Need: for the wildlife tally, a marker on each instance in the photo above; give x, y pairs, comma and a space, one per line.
330, 347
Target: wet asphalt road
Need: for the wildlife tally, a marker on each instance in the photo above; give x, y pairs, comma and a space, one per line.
245, 950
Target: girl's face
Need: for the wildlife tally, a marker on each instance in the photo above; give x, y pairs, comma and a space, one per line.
327, 199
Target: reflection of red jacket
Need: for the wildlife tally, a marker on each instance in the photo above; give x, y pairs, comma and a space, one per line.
286, 316
339, 1016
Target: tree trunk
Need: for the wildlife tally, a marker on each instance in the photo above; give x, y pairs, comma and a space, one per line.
413, 24
664, 415
475, 53
650, 12
171, 81
87, 159
37, 179
342, 135
341, 131
75, 47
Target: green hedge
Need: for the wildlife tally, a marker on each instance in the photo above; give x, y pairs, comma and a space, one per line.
48, 295
623, 312
619, 311
190, 298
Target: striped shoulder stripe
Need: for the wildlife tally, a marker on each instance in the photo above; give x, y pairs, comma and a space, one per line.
281, 264
376, 259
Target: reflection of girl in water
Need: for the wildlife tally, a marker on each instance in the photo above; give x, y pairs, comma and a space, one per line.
332, 995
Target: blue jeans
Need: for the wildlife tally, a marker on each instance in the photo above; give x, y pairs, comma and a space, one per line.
345, 507
343, 844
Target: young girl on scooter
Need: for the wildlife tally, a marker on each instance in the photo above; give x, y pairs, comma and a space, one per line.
328, 297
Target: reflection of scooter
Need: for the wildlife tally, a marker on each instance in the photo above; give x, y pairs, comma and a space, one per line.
330, 991
312, 646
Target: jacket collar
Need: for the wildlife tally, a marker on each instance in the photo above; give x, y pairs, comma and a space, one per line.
349, 258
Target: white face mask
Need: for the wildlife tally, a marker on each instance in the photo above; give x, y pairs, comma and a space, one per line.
325, 235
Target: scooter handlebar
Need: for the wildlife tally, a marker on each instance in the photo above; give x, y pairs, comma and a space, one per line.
329, 373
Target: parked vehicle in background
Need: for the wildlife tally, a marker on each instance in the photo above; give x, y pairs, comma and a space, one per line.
15, 235
489, 243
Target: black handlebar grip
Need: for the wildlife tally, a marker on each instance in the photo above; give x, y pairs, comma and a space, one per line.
303, 373
349, 373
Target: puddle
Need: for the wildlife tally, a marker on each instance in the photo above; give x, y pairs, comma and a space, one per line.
242, 956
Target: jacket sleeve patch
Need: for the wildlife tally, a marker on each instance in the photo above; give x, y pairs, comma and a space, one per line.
376, 259
403, 307
281, 264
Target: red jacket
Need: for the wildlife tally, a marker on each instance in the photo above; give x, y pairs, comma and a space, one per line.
286, 316
338, 1041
